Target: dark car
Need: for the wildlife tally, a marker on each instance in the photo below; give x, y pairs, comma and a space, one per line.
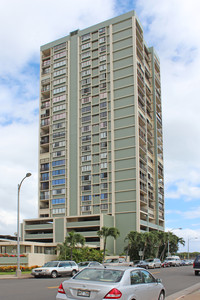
196, 265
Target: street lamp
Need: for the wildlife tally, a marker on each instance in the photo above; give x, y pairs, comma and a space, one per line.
168, 239
189, 246
18, 271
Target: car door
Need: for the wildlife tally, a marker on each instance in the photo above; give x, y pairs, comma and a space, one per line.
135, 288
151, 287
65, 268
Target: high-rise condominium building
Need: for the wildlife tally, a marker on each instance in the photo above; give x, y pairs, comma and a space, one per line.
101, 148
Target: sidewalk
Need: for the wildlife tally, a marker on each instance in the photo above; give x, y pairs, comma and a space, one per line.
23, 276
191, 293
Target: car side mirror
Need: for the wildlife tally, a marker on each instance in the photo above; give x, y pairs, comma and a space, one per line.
158, 280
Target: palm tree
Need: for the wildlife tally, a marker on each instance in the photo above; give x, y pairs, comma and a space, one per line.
73, 239
104, 233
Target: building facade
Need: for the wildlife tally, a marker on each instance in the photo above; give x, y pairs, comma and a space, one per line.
101, 147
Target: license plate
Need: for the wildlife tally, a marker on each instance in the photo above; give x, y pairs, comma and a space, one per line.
83, 293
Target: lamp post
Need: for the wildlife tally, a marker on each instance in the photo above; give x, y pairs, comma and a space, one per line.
189, 245
168, 239
18, 271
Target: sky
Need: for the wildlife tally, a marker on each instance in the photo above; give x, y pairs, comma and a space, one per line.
171, 27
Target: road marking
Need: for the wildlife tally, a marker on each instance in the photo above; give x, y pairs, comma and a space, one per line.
53, 287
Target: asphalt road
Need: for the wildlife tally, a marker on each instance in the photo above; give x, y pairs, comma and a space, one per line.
174, 279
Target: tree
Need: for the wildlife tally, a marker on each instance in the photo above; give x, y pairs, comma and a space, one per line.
104, 233
71, 241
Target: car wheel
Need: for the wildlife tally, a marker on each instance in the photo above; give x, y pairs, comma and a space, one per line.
161, 296
73, 273
196, 273
54, 274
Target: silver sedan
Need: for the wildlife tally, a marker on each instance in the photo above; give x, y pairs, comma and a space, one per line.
124, 283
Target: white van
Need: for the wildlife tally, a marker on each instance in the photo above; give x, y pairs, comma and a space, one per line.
174, 261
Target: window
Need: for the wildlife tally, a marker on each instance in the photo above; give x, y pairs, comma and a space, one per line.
86, 208
86, 138
44, 167
58, 163
102, 30
102, 39
103, 104
86, 119
86, 63
102, 67
86, 90
58, 191
103, 165
86, 100
59, 98
103, 135
86, 168
102, 58
59, 90
85, 54
86, 81
85, 46
147, 277
104, 196
58, 153
103, 115
104, 185
86, 178
58, 125
85, 37
58, 181
102, 48
86, 72
86, 128
86, 198
104, 206
58, 172
59, 107
104, 155
103, 124
58, 47
86, 188
59, 64
86, 109
58, 134
103, 145
58, 211
59, 81
104, 175
86, 148
86, 158
103, 86
45, 176
103, 95
60, 72
102, 76
59, 116
59, 55
136, 277
59, 144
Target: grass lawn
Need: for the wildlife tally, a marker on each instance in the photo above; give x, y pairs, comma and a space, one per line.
14, 272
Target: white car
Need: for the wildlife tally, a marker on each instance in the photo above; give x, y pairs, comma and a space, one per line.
56, 268
153, 263
89, 264
124, 283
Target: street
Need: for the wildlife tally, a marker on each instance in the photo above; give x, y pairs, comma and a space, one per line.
174, 279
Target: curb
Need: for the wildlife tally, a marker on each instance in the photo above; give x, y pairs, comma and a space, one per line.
15, 277
188, 291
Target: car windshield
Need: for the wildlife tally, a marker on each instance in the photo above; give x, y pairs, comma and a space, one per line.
83, 264
51, 264
104, 275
